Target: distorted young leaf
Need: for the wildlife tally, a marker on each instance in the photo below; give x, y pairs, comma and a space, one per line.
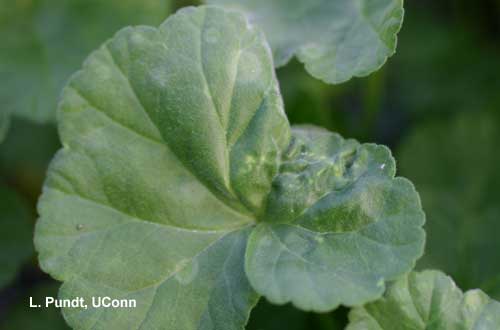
454, 165
335, 39
15, 235
337, 225
171, 138
21, 316
44, 41
427, 300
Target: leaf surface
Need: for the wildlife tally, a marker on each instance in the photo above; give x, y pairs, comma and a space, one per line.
454, 165
335, 39
15, 235
337, 225
427, 300
171, 138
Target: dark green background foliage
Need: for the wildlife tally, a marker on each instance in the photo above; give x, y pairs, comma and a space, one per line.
436, 104
45, 41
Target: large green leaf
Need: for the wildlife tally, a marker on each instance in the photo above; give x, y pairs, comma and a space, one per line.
171, 138
427, 300
454, 165
175, 146
336, 39
337, 225
15, 235
44, 41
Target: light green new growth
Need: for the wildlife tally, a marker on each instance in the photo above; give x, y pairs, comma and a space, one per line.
176, 150
337, 225
427, 300
335, 39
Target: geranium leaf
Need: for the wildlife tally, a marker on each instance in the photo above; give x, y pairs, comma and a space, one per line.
175, 146
15, 235
336, 39
171, 138
45, 41
455, 166
427, 300
337, 225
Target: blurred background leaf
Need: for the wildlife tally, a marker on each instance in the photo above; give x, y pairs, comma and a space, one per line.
25, 155
454, 165
4, 124
443, 67
15, 235
447, 61
336, 40
45, 41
